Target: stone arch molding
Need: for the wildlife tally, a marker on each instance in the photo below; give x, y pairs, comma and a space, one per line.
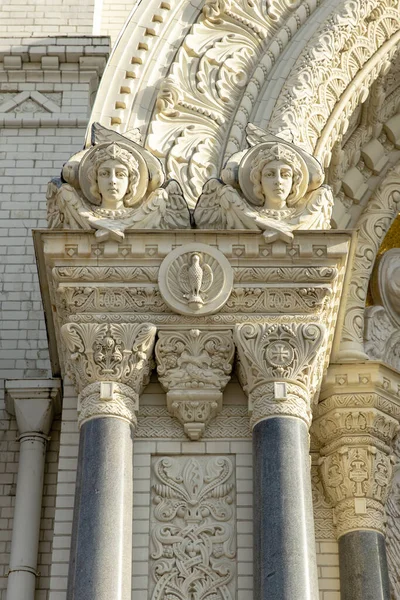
191, 75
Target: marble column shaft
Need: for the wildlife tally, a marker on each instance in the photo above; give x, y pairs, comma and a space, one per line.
363, 566
101, 552
284, 542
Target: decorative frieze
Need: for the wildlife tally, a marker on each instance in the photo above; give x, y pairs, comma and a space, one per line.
279, 367
109, 365
194, 367
193, 545
355, 426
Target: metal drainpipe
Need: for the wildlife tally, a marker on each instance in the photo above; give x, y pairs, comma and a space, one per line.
33, 404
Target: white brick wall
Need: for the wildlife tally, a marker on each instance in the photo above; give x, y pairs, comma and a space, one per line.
55, 17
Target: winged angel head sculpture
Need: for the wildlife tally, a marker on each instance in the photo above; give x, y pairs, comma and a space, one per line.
273, 186
115, 185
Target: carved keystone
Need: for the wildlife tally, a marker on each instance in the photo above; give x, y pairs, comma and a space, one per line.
279, 368
194, 367
109, 365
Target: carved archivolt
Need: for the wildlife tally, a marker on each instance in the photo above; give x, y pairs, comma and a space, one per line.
193, 545
197, 100
317, 100
372, 227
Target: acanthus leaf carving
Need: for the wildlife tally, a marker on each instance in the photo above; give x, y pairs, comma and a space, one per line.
278, 367
197, 100
372, 226
109, 365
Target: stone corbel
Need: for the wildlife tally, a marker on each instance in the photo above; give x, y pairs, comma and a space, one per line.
109, 365
355, 424
280, 368
194, 367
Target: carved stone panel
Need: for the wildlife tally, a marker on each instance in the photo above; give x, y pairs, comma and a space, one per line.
193, 537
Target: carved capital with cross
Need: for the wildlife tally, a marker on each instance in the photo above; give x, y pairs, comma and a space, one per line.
280, 367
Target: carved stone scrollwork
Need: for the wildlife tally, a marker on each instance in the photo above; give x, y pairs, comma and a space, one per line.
356, 434
109, 365
278, 368
193, 535
194, 367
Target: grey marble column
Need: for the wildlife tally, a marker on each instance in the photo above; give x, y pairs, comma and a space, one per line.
284, 543
101, 552
363, 566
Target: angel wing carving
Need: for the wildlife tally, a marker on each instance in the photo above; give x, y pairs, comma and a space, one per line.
65, 207
317, 211
165, 208
221, 207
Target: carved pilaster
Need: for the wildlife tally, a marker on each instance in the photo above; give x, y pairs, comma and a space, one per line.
356, 432
279, 367
194, 367
109, 364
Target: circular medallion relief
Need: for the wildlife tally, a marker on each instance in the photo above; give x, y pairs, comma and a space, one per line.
195, 279
279, 354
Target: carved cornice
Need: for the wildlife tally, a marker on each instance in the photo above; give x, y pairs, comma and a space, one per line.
109, 365
194, 367
278, 367
355, 424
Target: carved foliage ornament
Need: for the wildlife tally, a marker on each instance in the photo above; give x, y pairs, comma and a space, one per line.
382, 336
198, 99
194, 367
279, 367
115, 185
193, 536
372, 226
194, 359
108, 363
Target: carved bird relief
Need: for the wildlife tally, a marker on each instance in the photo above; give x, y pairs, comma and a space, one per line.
195, 279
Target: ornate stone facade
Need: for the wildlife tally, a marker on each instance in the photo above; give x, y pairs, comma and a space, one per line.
226, 139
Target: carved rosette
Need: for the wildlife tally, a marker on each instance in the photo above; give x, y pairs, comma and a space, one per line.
109, 365
356, 461
194, 367
278, 368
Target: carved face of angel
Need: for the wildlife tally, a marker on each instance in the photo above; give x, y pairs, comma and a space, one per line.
276, 183
114, 177
113, 181
276, 174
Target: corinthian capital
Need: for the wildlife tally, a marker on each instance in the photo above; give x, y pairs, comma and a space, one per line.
109, 365
194, 367
279, 367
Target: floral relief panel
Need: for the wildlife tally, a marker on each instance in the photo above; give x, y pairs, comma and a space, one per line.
193, 535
